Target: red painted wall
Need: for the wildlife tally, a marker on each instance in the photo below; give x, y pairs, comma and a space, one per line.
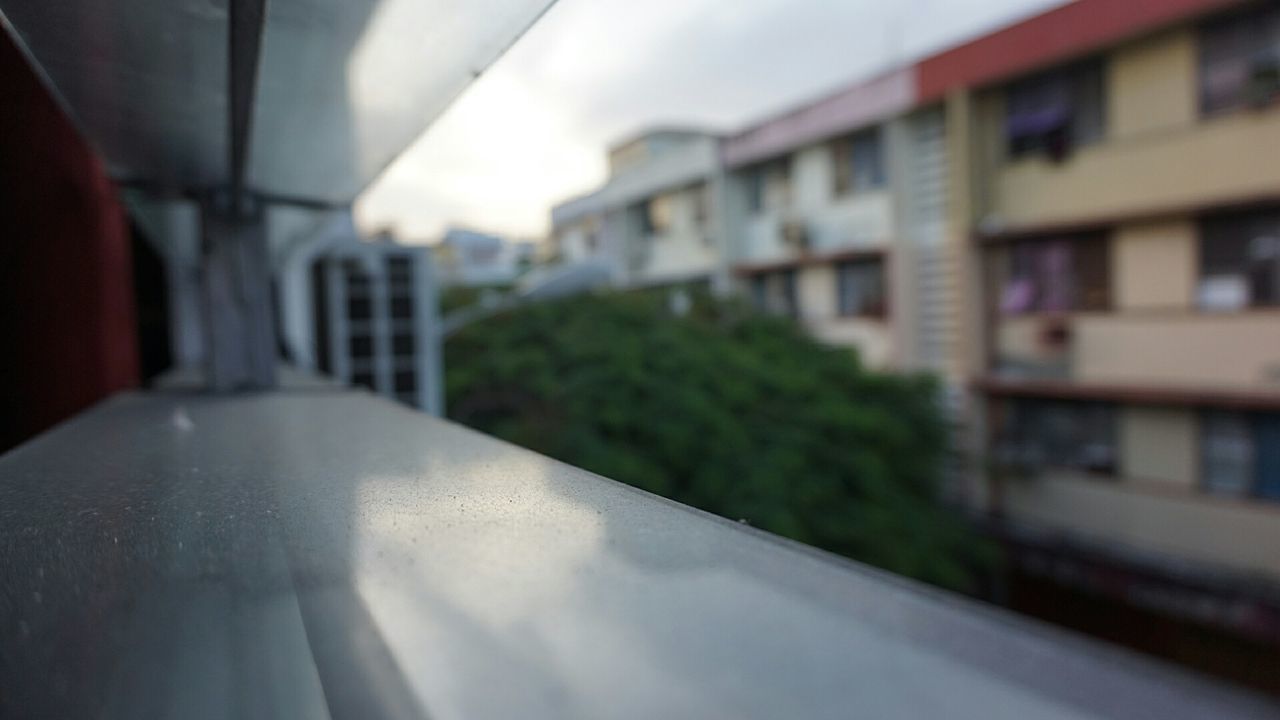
67, 330
1063, 33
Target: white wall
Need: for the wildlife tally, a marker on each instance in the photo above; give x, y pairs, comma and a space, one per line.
683, 252
818, 311
687, 247
574, 244
854, 221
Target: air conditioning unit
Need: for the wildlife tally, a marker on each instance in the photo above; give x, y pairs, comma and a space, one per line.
795, 235
376, 320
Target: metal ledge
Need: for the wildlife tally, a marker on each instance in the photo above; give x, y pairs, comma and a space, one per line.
326, 553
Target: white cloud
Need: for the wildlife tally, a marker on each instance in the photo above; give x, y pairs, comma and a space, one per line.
533, 130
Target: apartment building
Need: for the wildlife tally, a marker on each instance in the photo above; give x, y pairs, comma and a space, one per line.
577, 234
812, 215
656, 219
477, 259
1075, 222
1123, 192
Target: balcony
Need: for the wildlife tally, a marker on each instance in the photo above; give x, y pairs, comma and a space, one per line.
678, 254
849, 224
1213, 161
873, 338
1152, 516
1232, 352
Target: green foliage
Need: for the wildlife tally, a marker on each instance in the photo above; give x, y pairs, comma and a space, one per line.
456, 297
726, 410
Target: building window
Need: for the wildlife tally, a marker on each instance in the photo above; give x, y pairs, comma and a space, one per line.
1226, 453
403, 344
1266, 434
775, 292
1054, 112
860, 288
701, 195
1240, 261
755, 190
769, 186
859, 162
655, 215
1056, 275
405, 382
402, 307
400, 269
643, 217
1240, 454
1240, 60
1037, 434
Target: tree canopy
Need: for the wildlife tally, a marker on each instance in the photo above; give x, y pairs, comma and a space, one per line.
727, 410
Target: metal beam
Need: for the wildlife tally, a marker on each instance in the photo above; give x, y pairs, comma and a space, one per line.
239, 318
246, 20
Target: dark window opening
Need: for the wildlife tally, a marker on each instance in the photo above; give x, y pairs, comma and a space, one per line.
359, 308
399, 268
1055, 275
654, 215
775, 292
1240, 454
360, 346
1240, 60
402, 345
406, 382
401, 308
1240, 261
1038, 434
1054, 112
859, 162
860, 289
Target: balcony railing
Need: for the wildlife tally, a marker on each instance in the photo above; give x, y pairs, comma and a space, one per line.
316, 550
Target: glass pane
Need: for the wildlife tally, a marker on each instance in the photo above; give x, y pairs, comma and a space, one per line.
868, 161
1267, 455
1240, 260
1233, 52
1228, 453
1063, 434
860, 288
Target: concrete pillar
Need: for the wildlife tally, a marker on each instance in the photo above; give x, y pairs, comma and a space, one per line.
965, 182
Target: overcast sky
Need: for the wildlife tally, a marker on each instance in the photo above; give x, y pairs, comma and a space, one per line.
532, 131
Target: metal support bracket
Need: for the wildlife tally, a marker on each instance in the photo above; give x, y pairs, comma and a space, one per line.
236, 287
